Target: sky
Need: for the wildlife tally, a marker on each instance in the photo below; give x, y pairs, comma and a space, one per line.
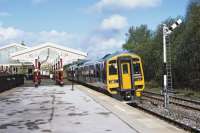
97, 27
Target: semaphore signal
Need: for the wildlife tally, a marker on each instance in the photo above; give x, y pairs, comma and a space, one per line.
166, 32
174, 26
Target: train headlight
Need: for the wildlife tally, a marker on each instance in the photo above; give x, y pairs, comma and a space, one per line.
113, 81
138, 94
138, 77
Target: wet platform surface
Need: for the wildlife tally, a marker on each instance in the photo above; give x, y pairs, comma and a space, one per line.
54, 109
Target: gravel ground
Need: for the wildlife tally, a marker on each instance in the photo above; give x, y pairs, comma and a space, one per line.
186, 116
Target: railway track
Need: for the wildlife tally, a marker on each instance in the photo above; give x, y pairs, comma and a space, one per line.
185, 103
174, 97
161, 116
168, 119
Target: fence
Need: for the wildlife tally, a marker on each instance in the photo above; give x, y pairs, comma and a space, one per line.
10, 81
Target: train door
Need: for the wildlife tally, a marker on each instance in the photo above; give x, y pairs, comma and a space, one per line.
126, 75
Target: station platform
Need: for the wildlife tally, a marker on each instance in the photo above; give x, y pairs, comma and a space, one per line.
54, 109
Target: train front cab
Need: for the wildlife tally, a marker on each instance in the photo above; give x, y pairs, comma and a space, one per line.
125, 76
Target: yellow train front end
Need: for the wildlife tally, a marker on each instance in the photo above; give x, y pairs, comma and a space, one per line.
138, 77
125, 75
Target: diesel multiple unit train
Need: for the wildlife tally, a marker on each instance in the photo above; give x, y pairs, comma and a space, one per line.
119, 74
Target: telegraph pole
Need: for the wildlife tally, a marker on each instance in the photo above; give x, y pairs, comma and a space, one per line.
166, 32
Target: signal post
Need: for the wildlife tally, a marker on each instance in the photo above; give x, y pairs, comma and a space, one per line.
166, 32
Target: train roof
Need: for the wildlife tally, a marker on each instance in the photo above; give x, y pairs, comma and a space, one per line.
108, 56
92, 62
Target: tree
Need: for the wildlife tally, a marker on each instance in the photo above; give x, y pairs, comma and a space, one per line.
188, 50
139, 41
185, 48
149, 45
136, 36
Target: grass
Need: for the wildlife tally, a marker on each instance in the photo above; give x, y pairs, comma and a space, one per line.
188, 93
152, 86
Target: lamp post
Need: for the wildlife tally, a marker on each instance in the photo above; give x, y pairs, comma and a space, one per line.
166, 32
72, 78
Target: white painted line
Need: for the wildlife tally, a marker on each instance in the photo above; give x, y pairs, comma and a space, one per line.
126, 102
102, 97
118, 107
89, 91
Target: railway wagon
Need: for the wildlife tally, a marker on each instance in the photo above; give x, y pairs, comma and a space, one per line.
119, 73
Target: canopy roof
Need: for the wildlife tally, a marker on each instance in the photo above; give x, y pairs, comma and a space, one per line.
15, 45
48, 53
7, 50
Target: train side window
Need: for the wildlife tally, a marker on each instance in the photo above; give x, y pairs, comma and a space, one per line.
112, 69
104, 74
125, 68
98, 71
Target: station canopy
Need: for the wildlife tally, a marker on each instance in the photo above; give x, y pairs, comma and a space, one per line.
48, 53
7, 50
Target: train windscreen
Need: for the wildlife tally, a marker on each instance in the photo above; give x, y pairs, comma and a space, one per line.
136, 68
112, 67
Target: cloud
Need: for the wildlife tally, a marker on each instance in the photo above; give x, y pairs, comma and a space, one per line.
55, 36
111, 26
114, 22
108, 39
102, 5
11, 34
100, 46
4, 14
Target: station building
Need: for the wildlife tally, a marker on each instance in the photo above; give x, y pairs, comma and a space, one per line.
7, 64
19, 59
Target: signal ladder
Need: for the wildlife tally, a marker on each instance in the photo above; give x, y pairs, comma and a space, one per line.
169, 66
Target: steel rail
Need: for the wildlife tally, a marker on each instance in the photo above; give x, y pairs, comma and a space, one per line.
160, 99
174, 97
172, 102
170, 120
